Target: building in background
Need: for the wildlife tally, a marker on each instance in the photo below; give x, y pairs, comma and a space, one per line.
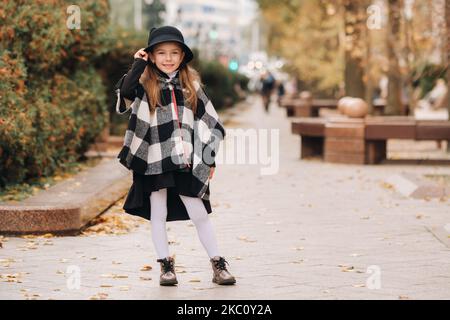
139, 15
222, 29
225, 30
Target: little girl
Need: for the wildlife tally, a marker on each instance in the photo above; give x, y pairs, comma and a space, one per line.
172, 138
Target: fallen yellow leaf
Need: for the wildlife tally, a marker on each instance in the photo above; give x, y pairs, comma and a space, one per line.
146, 267
99, 296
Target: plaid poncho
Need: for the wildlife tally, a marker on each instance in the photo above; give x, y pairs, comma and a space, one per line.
159, 142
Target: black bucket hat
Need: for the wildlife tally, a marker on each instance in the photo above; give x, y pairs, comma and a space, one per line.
165, 34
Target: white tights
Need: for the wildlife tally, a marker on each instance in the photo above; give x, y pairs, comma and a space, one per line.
197, 213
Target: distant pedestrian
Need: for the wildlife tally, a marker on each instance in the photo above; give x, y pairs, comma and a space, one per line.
165, 146
281, 92
267, 87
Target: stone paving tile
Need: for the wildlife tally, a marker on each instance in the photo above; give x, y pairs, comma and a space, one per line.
310, 231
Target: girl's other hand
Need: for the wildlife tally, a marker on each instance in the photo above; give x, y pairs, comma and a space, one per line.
211, 173
141, 54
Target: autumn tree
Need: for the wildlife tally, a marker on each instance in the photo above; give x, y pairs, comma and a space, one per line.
307, 35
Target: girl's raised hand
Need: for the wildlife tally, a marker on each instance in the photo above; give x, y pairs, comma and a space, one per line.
141, 54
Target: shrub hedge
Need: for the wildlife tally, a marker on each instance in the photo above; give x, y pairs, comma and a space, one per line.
52, 99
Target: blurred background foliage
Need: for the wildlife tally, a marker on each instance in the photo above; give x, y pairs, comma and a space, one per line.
306, 34
345, 47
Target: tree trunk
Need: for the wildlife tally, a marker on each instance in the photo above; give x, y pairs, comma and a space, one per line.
447, 22
394, 99
355, 22
408, 53
369, 80
447, 46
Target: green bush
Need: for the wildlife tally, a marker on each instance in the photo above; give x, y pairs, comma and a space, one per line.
425, 76
219, 83
53, 102
114, 64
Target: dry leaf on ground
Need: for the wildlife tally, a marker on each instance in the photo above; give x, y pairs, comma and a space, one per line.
146, 267
12, 277
114, 276
246, 239
115, 223
99, 296
345, 268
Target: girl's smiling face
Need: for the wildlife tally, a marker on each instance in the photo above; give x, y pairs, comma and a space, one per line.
167, 56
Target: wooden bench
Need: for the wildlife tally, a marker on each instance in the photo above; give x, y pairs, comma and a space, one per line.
303, 108
362, 141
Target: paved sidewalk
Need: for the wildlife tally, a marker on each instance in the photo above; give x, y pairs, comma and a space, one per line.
314, 230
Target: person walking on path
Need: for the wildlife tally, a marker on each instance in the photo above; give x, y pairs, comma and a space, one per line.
280, 92
170, 144
267, 87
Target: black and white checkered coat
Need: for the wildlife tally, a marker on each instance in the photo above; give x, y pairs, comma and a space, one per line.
155, 144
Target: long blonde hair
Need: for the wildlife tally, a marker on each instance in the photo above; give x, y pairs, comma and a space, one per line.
187, 76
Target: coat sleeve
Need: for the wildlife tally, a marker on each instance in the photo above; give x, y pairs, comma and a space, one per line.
126, 88
210, 126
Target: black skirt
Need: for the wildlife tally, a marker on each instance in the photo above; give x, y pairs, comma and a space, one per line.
177, 182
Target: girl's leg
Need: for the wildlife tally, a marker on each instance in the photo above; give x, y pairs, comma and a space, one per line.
158, 203
199, 216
